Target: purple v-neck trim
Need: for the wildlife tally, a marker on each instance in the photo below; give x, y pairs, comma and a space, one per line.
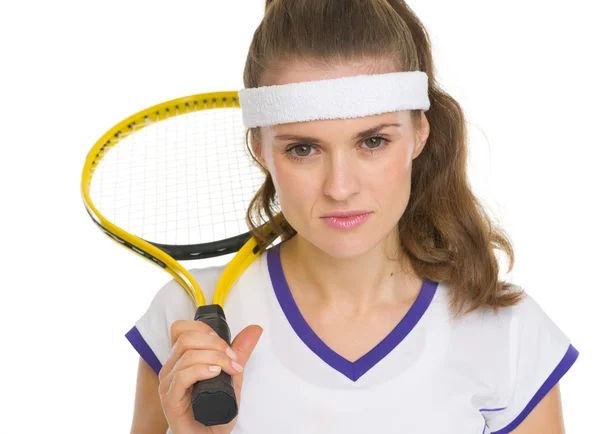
352, 370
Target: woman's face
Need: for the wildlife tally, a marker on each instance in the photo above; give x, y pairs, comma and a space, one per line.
326, 166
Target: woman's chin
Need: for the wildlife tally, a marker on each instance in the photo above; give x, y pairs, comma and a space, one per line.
344, 246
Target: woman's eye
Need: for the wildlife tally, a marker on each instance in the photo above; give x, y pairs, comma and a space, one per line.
374, 142
301, 150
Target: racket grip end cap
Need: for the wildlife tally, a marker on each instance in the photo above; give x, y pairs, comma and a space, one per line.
214, 407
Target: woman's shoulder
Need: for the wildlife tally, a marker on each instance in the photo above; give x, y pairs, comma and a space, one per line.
175, 302
151, 334
483, 334
174, 297
489, 320
496, 340
517, 355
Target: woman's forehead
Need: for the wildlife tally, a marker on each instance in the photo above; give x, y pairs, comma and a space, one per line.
347, 127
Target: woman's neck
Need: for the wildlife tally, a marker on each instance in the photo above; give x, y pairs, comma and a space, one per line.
354, 285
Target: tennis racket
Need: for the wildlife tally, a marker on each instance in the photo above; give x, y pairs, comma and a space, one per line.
173, 183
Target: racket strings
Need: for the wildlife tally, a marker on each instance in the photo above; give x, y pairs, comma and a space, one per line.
186, 179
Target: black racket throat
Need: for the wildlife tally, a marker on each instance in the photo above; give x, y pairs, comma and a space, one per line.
210, 250
205, 250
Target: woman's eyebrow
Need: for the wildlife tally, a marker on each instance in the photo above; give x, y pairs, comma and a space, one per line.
360, 135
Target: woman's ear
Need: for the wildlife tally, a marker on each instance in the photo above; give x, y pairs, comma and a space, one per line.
257, 150
422, 133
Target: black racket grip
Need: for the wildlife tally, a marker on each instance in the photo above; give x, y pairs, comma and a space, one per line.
213, 400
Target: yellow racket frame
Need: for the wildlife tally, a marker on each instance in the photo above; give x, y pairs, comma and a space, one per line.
247, 253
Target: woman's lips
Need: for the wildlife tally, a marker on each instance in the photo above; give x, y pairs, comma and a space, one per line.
346, 213
347, 223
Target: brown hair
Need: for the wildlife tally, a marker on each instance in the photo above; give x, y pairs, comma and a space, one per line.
444, 232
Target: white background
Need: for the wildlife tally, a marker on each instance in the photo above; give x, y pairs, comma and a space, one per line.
524, 71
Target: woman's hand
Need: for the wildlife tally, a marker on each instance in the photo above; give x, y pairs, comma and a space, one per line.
195, 350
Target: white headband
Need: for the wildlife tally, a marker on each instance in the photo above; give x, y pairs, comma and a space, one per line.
343, 97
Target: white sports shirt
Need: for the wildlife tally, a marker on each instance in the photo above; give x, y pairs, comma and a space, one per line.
481, 374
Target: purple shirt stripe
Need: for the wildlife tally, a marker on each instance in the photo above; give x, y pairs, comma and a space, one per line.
140, 345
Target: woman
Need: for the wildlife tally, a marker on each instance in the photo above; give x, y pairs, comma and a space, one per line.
390, 318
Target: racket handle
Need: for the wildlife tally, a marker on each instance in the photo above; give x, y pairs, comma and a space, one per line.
213, 399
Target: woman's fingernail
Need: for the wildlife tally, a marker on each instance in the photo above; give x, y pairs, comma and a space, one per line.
214, 368
230, 353
237, 366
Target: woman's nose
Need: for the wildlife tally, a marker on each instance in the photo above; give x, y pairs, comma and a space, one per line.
341, 180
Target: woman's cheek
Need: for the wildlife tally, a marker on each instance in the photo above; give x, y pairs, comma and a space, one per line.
396, 177
295, 187
297, 193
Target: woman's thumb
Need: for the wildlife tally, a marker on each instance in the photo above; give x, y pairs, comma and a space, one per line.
243, 345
